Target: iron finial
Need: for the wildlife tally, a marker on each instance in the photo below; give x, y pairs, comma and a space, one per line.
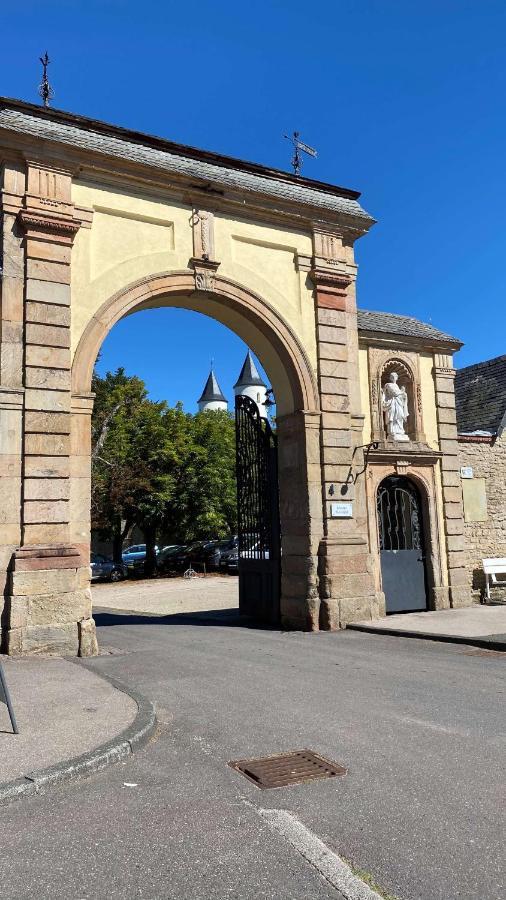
45, 89
299, 147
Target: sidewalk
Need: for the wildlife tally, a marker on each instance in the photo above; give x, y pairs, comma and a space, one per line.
70, 721
481, 626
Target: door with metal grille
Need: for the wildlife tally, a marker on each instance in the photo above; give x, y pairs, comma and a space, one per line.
257, 513
401, 545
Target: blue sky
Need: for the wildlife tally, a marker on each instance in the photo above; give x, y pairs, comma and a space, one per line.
404, 101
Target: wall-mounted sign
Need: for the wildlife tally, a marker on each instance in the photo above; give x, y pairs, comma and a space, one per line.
341, 510
466, 472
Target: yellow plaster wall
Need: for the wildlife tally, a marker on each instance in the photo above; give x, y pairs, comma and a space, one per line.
428, 399
135, 235
363, 369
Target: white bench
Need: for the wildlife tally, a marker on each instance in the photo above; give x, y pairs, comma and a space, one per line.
492, 568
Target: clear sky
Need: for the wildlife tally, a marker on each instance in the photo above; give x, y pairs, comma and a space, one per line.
405, 101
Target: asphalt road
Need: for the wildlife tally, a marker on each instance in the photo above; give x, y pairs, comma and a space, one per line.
418, 725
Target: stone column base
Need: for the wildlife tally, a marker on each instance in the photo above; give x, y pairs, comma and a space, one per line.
347, 589
460, 596
300, 614
49, 603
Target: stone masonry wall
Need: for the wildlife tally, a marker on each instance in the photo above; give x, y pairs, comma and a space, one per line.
486, 539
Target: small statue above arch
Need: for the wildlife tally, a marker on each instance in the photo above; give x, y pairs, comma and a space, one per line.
395, 406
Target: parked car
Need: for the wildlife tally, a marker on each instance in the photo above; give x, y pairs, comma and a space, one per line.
105, 569
134, 558
166, 559
227, 552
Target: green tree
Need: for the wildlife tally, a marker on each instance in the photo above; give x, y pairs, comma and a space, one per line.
167, 471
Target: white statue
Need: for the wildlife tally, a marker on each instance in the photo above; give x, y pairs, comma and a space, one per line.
395, 407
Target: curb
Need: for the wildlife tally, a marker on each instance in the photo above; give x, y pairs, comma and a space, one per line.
124, 744
484, 643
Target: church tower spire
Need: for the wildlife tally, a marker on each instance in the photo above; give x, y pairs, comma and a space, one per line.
250, 384
212, 397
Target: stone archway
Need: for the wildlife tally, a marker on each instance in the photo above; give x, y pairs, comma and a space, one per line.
298, 423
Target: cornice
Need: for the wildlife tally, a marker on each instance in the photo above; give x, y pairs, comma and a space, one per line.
84, 163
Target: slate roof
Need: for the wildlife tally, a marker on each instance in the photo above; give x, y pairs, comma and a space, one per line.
227, 172
480, 396
391, 323
212, 390
249, 374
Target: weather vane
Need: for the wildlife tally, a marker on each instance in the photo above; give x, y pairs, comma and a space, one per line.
299, 147
45, 89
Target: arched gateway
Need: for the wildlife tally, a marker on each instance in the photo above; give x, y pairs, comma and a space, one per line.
98, 222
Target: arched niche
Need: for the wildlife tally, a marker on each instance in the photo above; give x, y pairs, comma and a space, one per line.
381, 366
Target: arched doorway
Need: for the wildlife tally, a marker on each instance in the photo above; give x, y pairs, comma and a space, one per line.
402, 545
295, 389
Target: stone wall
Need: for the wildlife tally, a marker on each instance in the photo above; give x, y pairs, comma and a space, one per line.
485, 538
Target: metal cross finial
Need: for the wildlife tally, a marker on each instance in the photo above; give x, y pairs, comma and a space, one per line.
299, 147
45, 89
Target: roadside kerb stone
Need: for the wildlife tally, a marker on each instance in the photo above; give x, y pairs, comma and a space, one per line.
127, 742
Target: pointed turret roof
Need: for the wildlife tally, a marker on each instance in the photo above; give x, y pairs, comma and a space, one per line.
212, 390
249, 374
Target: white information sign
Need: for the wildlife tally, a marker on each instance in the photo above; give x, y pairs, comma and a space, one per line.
341, 510
466, 472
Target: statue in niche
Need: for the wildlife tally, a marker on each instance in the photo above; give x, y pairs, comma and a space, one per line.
394, 401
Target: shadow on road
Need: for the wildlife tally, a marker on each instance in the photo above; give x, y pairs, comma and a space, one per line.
229, 618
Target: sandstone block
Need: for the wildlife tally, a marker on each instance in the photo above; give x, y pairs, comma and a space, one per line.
48, 357
36, 249
40, 399
88, 645
330, 317
47, 466
335, 367
356, 609
47, 489
47, 291
47, 314
45, 581
42, 511
47, 422
12, 299
10, 498
336, 437
329, 615
50, 640
59, 609
47, 335
447, 431
455, 542
52, 379
331, 386
300, 614
47, 444
47, 270
42, 533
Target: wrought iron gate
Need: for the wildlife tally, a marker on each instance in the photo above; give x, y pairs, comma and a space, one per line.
401, 545
257, 513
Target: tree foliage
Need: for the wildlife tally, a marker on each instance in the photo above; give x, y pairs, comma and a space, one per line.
169, 472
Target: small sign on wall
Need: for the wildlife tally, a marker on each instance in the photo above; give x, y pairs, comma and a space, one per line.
341, 510
466, 472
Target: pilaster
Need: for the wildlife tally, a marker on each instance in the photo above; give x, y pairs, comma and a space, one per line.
346, 581
48, 605
444, 375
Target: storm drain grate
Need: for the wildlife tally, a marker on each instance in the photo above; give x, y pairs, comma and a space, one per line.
287, 768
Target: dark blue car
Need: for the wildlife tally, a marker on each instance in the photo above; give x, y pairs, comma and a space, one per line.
105, 569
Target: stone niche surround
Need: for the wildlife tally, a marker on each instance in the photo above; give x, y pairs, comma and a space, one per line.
419, 461
47, 595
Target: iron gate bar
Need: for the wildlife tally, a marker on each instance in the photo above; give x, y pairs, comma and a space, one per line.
257, 513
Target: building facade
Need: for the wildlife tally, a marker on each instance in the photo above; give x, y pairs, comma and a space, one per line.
480, 392
98, 222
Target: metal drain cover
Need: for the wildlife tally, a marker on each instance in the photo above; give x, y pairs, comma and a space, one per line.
287, 768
